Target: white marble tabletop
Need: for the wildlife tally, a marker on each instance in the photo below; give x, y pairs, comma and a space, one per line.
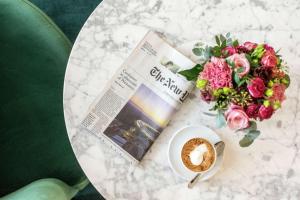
269, 169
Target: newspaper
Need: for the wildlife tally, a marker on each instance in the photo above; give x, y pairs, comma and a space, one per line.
141, 98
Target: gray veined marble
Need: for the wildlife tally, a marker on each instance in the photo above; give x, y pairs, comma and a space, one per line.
269, 169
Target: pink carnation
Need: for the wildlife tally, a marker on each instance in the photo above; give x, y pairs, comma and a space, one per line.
217, 73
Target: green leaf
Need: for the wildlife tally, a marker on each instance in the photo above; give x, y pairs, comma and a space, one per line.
223, 45
217, 40
216, 51
242, 82
248, 57
250, 60
286, 80
236, 78
198, 51
222, 38
235, 43
220, 120
252, 127
230, 63
227, 35
277, 51
192, 74
240, 70
249, 138
207, 52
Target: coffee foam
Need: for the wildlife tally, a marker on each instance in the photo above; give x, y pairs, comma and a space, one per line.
208, 156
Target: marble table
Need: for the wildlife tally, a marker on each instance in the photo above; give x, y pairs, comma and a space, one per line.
269, 169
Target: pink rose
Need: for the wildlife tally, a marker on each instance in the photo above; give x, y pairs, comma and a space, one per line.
240, 61
230, 50
256, 88
236, 118
250, 45
252, 110
269, 48
265, 112
269, 59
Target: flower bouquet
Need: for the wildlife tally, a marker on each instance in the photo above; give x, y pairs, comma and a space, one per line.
245, 81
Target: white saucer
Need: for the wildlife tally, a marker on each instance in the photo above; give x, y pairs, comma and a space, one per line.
176, 144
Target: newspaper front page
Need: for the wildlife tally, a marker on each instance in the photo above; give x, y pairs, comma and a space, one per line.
141, 98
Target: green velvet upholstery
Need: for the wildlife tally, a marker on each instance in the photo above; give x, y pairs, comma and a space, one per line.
33, 138
69, 15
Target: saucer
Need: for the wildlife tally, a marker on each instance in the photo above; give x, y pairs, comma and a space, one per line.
175, 147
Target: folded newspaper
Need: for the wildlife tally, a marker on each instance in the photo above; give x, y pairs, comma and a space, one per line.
141, 98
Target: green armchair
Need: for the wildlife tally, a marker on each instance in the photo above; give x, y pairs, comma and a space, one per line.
33, 138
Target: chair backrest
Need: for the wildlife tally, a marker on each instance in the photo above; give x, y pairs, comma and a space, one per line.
33, 138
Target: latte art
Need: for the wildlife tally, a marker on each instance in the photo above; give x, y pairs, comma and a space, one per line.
198, 155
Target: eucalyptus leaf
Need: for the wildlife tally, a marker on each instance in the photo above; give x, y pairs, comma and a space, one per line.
198, 44
220, 120
253, 126
198, 51
210, 114
249, 138
207, 52
228, 35
229, 42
